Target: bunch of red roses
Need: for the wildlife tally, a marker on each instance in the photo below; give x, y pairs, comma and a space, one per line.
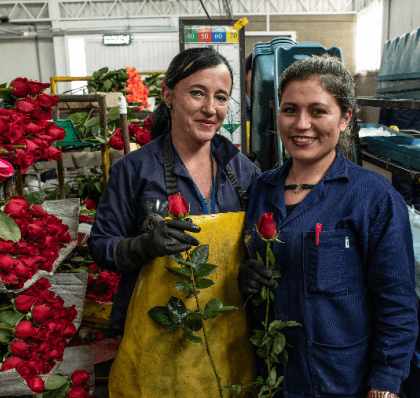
42, 236
137, 134
26, 134
37, 334
102, 285
79, 385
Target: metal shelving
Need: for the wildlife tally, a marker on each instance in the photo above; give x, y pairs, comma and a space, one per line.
386, 164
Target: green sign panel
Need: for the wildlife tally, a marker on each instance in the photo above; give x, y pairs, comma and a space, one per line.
191, 35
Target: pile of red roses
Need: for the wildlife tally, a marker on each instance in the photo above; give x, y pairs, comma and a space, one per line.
42, 236
137, 134
102, 285
37, 333
26, 134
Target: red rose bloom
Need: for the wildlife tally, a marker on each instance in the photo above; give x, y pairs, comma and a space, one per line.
37, 87
20, 87
266, 226
17, 207
7, 263
36, 384
90, 204
20, 348
79, 376
77, 392
41, 314
47, 100
148, 123
11, 363
178, 206
25, 330
116, 142
93, 268
23, 303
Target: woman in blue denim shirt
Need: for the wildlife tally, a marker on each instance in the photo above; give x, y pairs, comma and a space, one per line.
353, 291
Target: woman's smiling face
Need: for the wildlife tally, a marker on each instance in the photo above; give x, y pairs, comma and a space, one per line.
310, 121
200, 103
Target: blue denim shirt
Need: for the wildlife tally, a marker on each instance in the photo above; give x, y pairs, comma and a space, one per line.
136, 188
354, 293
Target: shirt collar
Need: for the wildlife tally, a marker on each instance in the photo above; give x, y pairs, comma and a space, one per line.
223, 150
338, 170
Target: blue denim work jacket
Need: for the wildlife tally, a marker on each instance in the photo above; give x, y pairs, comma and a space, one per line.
354, 293
136, 188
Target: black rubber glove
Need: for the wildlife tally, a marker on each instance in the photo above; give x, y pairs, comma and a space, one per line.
252, 275
167, 237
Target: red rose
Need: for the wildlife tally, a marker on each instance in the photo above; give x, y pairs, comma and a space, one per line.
55, 132
17, 207
77, 392
79, 376
83, 218
143, 137
23, 302
90, 204
37, 87
52, 154
93, 268
20, 87
41, 314
178, 206
116, 142
11, 363
99, 336
7, 263
25, 330
47, 100
20, 348
6, 170
31, 128
41, 113
38, 211
6, 246
266, 226
27, 105
24, 271
36, 384
148, 122
11, 280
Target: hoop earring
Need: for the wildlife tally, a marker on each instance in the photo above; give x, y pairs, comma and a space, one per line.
169, 106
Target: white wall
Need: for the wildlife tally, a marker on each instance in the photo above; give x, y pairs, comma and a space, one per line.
19, 58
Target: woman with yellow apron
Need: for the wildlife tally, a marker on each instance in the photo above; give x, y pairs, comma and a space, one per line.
186, 156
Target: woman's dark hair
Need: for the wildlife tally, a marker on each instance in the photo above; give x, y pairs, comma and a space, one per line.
248, 63
183, 65
334, 78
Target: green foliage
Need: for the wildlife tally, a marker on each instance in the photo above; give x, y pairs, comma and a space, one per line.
107, 81
153, 83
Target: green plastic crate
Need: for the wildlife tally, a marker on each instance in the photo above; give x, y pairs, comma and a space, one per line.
72, 138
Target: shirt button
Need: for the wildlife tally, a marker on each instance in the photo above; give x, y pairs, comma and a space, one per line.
280, 310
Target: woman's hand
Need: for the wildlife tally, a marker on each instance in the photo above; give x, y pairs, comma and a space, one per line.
167, 237
253, 275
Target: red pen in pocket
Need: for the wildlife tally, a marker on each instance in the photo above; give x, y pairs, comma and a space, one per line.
318, 229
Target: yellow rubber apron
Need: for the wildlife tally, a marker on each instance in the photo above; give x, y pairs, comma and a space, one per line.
154, 364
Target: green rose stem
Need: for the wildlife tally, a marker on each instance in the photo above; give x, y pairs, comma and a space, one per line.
205, 336
6, 308
9, 329
267, 264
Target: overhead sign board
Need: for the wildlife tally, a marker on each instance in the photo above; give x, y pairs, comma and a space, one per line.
117, 40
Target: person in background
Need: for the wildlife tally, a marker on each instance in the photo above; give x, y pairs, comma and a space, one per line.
129, 235
344, 249
407, 119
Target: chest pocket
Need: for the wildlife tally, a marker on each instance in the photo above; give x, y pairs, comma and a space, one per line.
324, 266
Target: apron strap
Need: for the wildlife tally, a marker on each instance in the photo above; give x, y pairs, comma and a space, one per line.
168, 164
243, 196
171, 182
